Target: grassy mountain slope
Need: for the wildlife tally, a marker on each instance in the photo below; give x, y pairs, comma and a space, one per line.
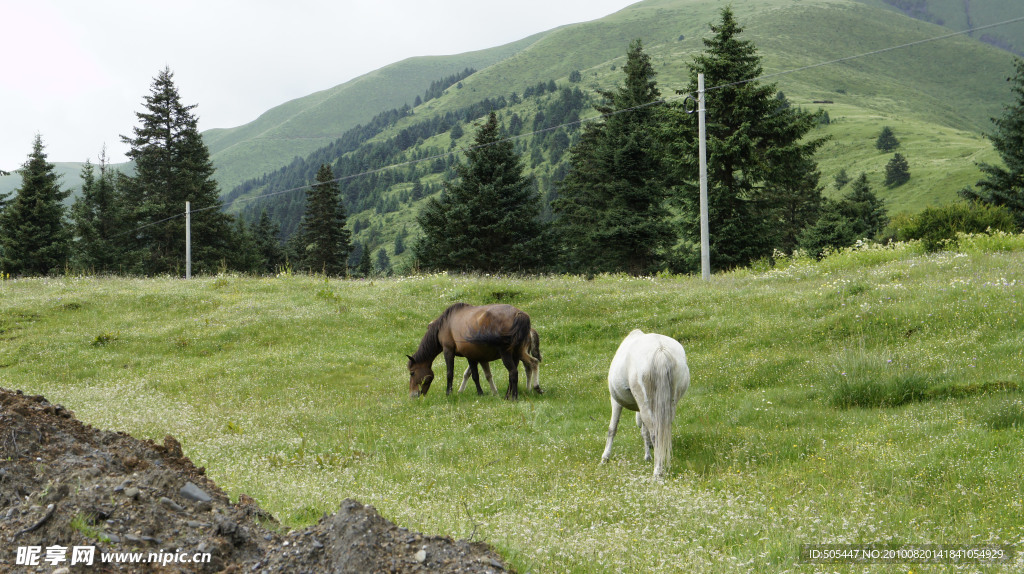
963, 14
70, 177
938, 96
301, 126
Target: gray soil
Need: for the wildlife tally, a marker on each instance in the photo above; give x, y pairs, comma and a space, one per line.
129, 495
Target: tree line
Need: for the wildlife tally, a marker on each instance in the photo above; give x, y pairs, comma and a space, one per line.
630, 200
625, 199
134, 223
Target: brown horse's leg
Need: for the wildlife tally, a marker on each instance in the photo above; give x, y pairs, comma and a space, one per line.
512, 364
449, 363
476, 376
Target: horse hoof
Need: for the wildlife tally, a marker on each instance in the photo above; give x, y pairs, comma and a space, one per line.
538, 391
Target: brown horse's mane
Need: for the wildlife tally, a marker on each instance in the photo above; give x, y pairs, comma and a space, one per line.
430, 345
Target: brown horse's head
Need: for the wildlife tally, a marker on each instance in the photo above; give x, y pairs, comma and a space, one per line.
420, 377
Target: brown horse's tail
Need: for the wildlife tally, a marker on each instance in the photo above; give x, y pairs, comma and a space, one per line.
520, 336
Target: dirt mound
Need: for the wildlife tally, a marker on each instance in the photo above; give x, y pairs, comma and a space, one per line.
144, 507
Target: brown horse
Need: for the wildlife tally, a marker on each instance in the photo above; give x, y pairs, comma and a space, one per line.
532, 374
480, 334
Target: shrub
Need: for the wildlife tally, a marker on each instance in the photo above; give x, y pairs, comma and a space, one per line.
937, 226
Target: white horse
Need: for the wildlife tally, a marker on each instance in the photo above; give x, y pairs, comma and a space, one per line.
532, 371
648, 375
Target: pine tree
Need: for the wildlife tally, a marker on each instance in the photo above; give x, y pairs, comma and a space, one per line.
611, 213
887, 140
245, 257
488, 218
365, 268
172, 166
97, 221
832, 230
356, 255
34, 239
418, 191
1005, 185
399, 247
865, 209
383, 263
860, 214
897, 171
842, 179
762, 177
325, 239
268, 246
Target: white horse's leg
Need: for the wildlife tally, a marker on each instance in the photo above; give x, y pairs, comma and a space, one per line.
490, 379
648, 441
612, 427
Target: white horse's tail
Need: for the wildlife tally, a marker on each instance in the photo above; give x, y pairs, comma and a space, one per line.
663, 406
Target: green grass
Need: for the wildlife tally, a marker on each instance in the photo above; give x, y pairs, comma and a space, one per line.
293, 389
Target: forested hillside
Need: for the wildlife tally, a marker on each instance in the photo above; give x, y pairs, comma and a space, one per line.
395, 137
939, 97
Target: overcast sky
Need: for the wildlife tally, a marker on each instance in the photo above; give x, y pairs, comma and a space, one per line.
76, 71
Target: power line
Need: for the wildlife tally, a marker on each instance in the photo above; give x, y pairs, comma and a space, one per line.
600, 117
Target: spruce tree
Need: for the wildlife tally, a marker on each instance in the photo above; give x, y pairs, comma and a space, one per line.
1004, 185
841, 179
610, 214
245, 256
365, 268
865, 209
860, 214
897, 171
172, 166
97, 221
488, 218
326, 242
832, 230
399, 247
34, 239
383, 263
887, 140
265, 232
762, 178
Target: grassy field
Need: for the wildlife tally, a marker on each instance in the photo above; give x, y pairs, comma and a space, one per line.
874, 397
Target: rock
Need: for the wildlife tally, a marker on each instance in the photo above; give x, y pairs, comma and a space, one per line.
421, 556
193, 492
167, 502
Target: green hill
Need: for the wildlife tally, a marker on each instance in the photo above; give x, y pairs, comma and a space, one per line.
963, 15
301, 126
70, 176
938, 96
